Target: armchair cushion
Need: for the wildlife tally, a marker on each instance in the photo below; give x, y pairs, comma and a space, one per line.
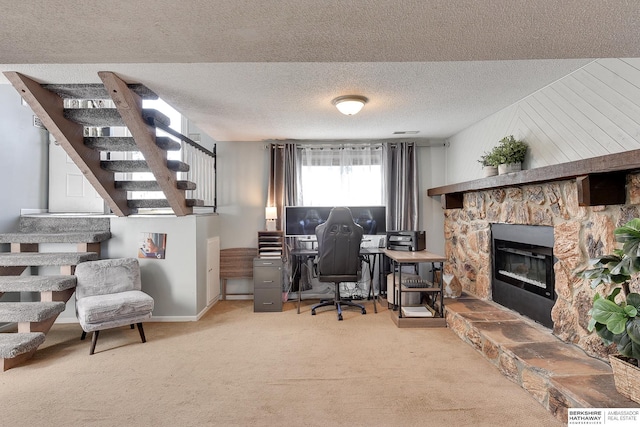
107, 276
123, 305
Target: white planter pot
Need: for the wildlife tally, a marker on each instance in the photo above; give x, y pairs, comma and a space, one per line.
509, 168
490, 171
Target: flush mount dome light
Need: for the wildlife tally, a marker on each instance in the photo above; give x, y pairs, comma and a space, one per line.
349, 104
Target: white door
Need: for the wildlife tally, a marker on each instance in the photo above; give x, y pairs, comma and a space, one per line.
213, 269
69, 190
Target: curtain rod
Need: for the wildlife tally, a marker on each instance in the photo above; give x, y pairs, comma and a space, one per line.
299, 144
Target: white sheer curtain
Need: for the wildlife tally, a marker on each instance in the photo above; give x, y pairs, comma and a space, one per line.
341, 175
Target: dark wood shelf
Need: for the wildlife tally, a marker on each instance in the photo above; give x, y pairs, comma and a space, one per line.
601, 180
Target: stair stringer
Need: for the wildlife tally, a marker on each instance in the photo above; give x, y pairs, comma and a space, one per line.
129, 105
49, 107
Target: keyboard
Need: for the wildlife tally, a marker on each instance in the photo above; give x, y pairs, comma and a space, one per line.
415, 283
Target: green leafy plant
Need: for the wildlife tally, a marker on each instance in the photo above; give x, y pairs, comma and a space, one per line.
510, 150
616, 317
489, 159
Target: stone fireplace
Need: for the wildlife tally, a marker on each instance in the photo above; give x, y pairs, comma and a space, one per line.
579, 233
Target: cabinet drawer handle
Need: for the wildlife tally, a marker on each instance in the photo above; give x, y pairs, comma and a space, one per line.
267, 281
267, 303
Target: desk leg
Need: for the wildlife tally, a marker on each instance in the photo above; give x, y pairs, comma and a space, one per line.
399, 289
372, 292
297, 263
441, 289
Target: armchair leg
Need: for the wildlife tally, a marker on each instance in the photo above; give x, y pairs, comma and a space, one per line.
142, 337
83, 336
94, 340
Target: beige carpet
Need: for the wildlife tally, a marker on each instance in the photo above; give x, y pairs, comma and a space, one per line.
239, 368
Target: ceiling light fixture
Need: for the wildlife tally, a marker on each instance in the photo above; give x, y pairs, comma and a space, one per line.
349, 104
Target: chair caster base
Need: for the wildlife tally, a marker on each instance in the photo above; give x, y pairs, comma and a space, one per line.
339, 316
364, 311
313, 312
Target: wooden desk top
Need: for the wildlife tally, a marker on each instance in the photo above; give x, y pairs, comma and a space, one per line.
413, 256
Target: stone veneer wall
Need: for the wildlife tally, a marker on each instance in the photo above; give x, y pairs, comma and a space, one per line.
580, 233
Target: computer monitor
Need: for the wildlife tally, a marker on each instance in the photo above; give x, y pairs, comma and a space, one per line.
303, 220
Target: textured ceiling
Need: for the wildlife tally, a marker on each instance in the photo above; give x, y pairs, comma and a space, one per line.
247, 70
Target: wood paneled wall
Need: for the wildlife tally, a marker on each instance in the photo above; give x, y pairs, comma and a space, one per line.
590, 112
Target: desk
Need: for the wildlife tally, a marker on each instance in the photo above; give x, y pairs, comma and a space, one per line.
408, 257
371, 253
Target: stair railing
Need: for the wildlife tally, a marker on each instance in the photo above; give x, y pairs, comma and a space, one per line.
202, 166
202, 171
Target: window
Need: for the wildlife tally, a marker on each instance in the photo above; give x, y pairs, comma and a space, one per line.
341, 175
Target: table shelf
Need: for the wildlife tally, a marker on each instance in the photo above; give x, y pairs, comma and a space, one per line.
433, 288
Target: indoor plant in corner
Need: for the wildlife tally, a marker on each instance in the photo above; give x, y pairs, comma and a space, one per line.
509, 154
616, 317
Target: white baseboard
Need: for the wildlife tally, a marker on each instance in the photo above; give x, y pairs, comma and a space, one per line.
66, 320
32, 211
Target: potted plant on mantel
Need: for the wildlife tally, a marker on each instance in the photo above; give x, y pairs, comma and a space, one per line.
616, 317
509, 154
489, 162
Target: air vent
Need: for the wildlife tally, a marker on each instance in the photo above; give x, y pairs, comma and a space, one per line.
406, 132
38, 123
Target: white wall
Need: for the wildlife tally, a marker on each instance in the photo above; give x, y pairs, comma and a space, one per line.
431, 164
591, 112
243, 170
178, 282
24, 160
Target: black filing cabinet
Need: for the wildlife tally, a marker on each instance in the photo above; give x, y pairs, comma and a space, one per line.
267, 284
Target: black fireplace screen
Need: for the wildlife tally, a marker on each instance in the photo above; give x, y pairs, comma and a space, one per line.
529, 267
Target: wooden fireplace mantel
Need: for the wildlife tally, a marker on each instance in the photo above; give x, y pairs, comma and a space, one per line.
600, 180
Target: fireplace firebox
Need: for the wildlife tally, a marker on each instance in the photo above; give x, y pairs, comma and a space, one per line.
523, 277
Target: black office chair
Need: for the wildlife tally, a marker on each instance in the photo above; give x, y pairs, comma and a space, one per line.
339, 240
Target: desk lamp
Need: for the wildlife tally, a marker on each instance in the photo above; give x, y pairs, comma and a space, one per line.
271, 215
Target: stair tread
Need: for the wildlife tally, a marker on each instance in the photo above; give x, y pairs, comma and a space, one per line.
103, 117
45, 258
30, 311
47, 223
36, 283
74, 237
160, 203
151, 185
127, 143
15, 344
95, 91
140, 166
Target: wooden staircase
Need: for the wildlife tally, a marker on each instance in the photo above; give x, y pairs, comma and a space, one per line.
67, 125
35, 318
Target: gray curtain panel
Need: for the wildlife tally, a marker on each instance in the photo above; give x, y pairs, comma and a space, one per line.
283, 180
401, 185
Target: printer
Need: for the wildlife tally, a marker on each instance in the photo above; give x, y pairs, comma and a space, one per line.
406, 240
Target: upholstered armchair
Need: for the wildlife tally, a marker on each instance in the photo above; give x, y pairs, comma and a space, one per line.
108, 295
